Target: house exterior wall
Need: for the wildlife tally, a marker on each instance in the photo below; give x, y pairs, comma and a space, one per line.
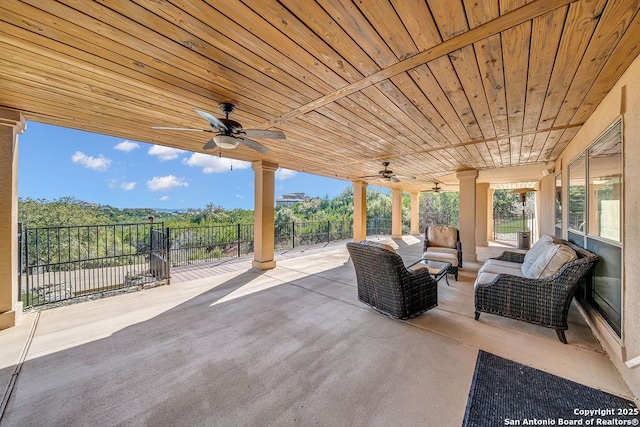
622, 101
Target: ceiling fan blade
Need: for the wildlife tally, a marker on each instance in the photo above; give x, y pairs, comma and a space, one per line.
254, 145
215, 122
209, 145
406, 177
369, 176
263, 133
394, 179
188, 129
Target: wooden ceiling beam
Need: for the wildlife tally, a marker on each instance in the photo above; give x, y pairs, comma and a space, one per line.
495, 26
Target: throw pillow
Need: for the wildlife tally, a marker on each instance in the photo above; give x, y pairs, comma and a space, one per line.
550, 262
542, 245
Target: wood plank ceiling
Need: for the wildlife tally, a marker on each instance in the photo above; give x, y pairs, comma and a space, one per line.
431, 86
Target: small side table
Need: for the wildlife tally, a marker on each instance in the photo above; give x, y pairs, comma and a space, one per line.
437, 269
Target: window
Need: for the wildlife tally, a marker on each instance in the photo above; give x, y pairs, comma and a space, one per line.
595, 221
605, 182
559, 205
577, 194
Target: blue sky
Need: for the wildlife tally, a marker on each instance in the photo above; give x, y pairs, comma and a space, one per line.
55, 162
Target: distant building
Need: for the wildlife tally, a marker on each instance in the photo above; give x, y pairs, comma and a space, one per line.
290, 199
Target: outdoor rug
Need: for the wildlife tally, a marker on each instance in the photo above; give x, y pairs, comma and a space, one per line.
505, 393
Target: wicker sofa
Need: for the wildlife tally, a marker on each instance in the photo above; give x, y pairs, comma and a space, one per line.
501, 287
385, 284
442, 243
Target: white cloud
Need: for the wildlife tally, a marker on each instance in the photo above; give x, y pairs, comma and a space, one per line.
284, 173
239, 196
164, 198
213, 164
165, 183
128, 186
127, 146
99, 163
164, 153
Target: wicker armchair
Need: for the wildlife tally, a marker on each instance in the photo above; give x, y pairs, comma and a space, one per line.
387, 286
442, 243
543, 302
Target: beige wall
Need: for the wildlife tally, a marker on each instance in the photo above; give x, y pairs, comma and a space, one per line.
623, 100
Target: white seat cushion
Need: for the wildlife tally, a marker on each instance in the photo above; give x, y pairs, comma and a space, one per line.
438, 249
501, 269
442, 256
484, 278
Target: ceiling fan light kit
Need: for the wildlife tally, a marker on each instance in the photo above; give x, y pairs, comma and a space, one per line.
224, 141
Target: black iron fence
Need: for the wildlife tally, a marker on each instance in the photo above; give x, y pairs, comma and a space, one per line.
60, 263
506, 227
66, 262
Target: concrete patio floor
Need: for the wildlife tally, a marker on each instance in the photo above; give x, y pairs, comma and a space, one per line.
288, 346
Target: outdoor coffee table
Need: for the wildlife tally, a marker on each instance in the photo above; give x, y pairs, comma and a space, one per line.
437, 269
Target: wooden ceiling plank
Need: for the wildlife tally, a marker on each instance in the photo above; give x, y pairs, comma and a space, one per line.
375, 101
515, 55
564, 140
289, 24
383, 17
479, 13
417, 106
449, 17
580, 24
418, 20
625, 52
545, 37
611, 27
354, 23
504, 145
445, 74
495, 26
515, 144
263, 32
91, 24
410, 114
326, 28
199, 37
494, 152
526, 155
465, 63
108, 62
425, 80
489, 54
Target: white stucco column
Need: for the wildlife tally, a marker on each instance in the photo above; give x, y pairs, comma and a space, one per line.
490, 214
467, 222
263, 233
415, 212
12, 123
359, 211
396, 213
482, 198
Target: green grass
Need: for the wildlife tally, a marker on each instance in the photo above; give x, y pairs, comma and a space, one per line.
512, 226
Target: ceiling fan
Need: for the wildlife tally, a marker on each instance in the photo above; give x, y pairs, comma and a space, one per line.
230, 132
436, 189
387, 175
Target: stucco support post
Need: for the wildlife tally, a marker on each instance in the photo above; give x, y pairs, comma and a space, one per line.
467, 222
415, 212
396, 213
359, 211
12, 123
263, 233
490, 214
482, 191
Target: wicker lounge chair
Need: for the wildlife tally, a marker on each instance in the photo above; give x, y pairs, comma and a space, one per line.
543, 301
385, 284
442, 243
